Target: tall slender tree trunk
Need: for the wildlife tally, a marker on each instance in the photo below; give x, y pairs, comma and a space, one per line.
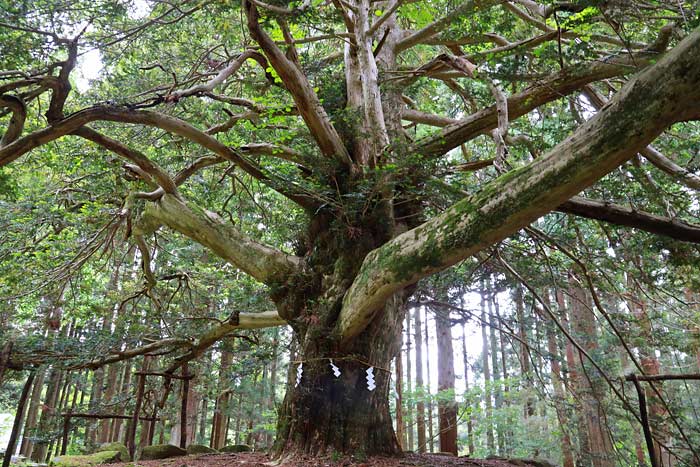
409, 387
447, 407
400, 424
431, 437
524, 354
651, 366
420, 389
220, 420
272, 400
596, 443
488, 408
496, 376
118, 432
559, 396
19, 415
32, 412
508, 432
48, 415
470, 416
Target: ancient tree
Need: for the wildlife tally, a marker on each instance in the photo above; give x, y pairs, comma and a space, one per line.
360, 161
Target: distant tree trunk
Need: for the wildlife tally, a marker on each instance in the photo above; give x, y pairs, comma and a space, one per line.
508, 432
409, 387
498, 399
32, 412
420, 389
447, 407
597, 449
118, 431
490, 442
62, 404
400, 426
470, 419
524, 354
559, 395
239, 418
220, 420
692, 297
431, 440
48, 416
651, 366
181, 399
272, 400
17, 425
94, 406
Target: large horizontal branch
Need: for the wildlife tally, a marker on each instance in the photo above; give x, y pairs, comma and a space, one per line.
262, 262
174, 125
622, 215
555, 87
665, 93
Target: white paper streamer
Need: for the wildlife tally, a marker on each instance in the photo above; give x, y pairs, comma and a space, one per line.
370, 379
336, 370
300, 370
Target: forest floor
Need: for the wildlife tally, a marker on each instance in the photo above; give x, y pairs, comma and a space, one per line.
263, 460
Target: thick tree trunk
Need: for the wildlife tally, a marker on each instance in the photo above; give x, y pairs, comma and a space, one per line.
323, 414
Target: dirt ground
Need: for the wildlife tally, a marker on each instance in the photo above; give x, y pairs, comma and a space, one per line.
263, 460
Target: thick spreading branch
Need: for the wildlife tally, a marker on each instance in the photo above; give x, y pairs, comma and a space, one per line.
262, 262
174, 125
307, 102
664, 94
